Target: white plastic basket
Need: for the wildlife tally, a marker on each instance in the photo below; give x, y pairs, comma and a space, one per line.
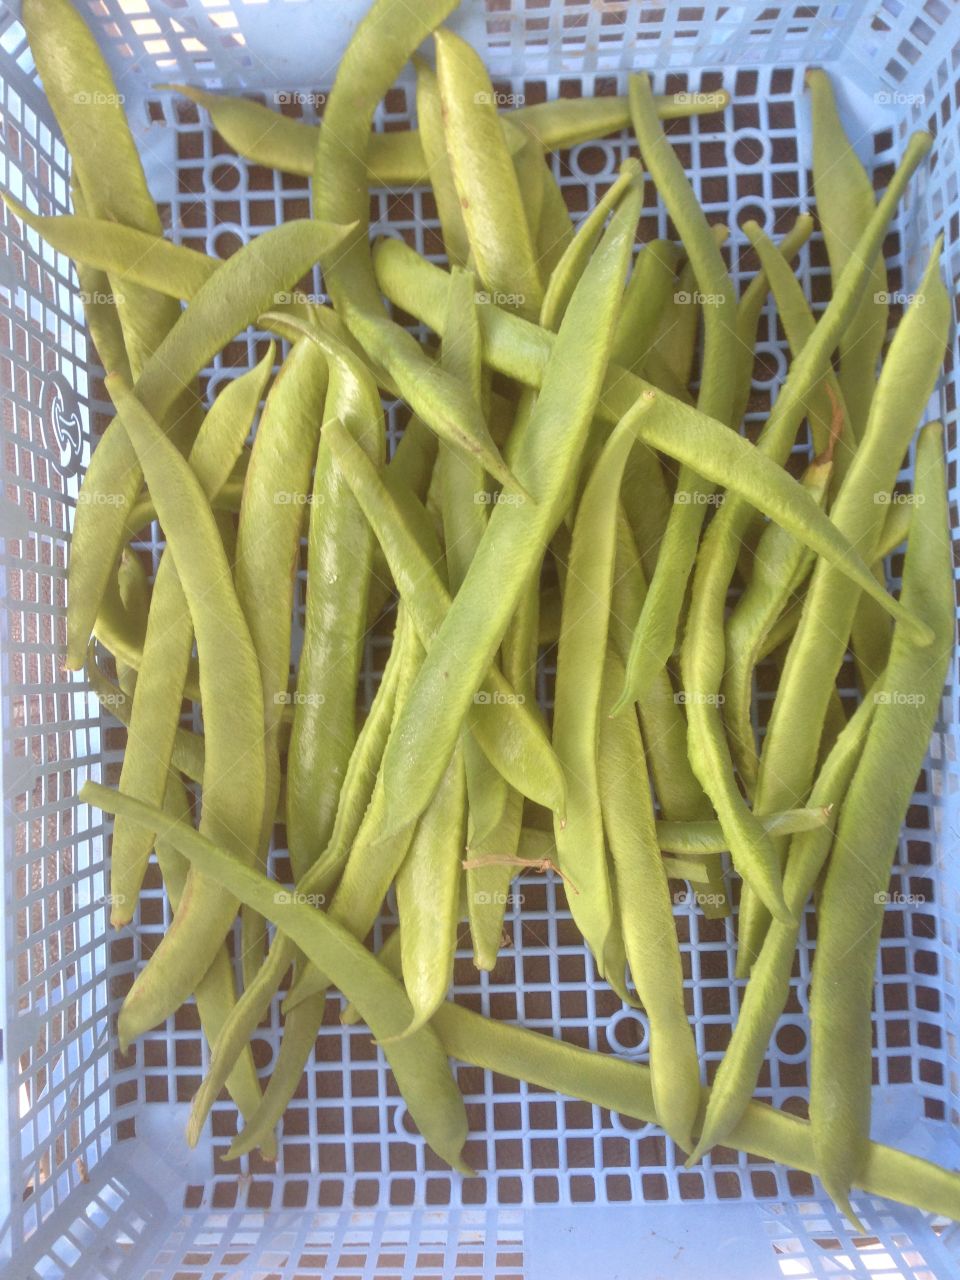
96, 1179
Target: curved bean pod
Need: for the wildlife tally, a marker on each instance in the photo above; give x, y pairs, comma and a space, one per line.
522, 350
167, 646
268, 547
577, 713
546, 460
511, 735
571, 266
242, 287
382, 43
398, 159
780, 567
707, 836
845, 204
317, 883
428, 895
646, 913
234, 768
656, 632
790, 747
625, 1088
418, 1061
216, 991
850, 910
430, 120
767, 991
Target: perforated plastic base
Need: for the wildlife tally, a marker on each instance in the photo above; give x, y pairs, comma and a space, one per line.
99, 1179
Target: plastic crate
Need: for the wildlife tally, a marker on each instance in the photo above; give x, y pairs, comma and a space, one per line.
96, 1177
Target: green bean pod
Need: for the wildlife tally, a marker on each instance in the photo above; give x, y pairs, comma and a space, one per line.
625, 1088
510, 733
388, 35
315, 887
216, 991
646, 914
656, 631
522, 351
168, 643
272, 514
790, 748
398, 159
230, 683
748, 314
578, 712
99, 308
845, 204
851, 907
664, 726
339, 552
517, 533
781, 566
428, 895
241, 288
418, 1061
106, 168
767, 991
571, 266
486, 183
707, 836
430, 119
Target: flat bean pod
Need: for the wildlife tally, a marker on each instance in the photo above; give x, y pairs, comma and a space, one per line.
577, 713
625, 1088
790, 748
167, 646
850, 910
767, 991
547, 460
397, 159
522, 350
243, 286
387, 36
646, 914
233, 768
510, 733
418, 1061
